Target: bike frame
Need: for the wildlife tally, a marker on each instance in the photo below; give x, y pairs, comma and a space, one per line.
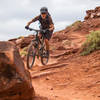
37, 39
38, 50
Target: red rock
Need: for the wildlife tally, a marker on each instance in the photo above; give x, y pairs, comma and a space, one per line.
93, 13
15, 80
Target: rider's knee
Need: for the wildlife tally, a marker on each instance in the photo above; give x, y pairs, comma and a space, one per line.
46, 40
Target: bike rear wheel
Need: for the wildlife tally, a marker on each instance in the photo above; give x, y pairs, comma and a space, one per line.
31, 56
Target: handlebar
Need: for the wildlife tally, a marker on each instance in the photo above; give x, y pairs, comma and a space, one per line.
31, 29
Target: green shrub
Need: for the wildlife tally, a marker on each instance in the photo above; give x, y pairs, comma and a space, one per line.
76, 25
66, 42
92, 43
53, 48
23, 52
21, 37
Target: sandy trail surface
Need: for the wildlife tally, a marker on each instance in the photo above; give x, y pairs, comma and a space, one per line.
69, 77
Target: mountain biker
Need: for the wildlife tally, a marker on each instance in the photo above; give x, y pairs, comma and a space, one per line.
46, 24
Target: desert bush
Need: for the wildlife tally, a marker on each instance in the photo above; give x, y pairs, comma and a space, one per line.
66, 42
92, 43
21, 37
76, 25
53, 47
23, 52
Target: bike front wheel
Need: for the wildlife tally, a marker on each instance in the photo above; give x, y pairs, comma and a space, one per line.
44, 57
31, 56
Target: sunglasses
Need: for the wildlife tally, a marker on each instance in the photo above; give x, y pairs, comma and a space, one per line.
43, 13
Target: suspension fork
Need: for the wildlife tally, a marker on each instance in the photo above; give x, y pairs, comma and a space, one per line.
37, 44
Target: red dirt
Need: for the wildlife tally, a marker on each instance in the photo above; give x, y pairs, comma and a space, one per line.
68, 76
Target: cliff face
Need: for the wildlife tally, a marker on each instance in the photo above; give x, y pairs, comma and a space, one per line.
93, 13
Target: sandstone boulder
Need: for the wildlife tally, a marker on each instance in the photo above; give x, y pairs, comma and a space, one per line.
15, 80
22, 41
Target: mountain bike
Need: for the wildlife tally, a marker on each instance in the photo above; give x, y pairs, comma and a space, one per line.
37, 48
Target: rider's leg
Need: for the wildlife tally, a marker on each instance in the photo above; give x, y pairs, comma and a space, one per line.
48, 36
47, 44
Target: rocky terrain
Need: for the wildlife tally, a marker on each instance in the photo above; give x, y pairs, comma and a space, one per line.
68, 75
15, 80
91, 14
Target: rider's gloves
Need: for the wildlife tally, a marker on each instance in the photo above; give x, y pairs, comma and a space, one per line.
30, 29
27, 27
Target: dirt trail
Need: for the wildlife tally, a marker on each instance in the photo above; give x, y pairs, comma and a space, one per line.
68, 76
